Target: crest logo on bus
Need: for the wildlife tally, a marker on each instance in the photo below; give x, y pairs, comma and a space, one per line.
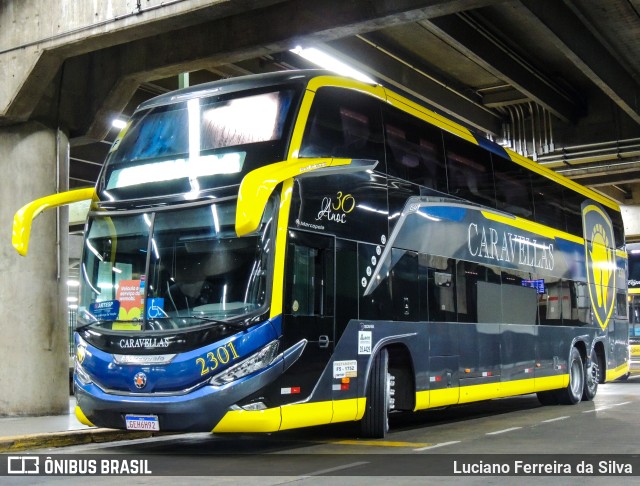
599, 247
140, 380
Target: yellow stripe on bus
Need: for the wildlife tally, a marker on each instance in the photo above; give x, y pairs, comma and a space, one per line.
475, 393
562, 180
82, 418
615, 373
292, 416
250, 421
532, 227
277, 285
429, 116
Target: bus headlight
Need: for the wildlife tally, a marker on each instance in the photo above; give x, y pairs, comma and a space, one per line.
255, 362
81, 353
82, 375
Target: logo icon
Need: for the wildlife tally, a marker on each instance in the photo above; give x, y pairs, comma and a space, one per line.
140, 380
599, 247
23, 465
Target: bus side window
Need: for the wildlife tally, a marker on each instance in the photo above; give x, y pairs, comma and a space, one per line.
343, 123
310, 281
469, 171
441, 280
414, 150
520, 298
513, 188
547, 202
573, 210
405, 294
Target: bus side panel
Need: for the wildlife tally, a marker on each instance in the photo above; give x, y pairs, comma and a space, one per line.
479, 360
617, 349
552, 354
518, 352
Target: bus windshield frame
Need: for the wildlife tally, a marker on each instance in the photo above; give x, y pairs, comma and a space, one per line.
199, 143
174, 269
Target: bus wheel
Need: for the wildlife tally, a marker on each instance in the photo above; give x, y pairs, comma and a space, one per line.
573, 393
548, 397
591, 377
375, 423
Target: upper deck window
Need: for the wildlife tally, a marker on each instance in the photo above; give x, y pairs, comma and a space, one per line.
181, 143
343, 123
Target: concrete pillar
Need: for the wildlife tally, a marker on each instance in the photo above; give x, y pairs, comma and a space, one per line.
34, 343
631, 219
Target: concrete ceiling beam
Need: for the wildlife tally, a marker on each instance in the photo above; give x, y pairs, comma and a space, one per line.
380, 64
492, 55
237, 38
562, 23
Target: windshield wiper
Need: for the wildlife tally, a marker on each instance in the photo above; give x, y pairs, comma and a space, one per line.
232, 325
107, 321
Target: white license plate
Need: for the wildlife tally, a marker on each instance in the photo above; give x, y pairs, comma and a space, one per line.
142, 422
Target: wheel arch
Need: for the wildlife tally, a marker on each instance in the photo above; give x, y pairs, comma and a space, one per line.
599, 348
401, 366
581, 346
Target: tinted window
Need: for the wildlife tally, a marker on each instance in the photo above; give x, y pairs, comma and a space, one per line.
519, 297
404, 291
513, 188
441, 298
469, 171
343, 123
414, 150
548, 202
573, 210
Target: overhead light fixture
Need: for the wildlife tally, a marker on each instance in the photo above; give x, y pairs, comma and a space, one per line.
119, 124
324, 60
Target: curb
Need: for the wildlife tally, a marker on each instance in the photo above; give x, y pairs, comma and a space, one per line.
69, 438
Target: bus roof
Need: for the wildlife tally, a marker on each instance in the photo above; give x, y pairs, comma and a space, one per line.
231, 85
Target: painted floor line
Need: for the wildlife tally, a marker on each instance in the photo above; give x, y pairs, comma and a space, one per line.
555, 419
600, 409
434, 446
337, 468
381, 443
503, 431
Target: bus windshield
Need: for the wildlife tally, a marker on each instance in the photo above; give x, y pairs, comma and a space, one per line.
198, 143
173, 269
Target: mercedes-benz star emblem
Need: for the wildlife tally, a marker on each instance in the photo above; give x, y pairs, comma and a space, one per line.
140, 380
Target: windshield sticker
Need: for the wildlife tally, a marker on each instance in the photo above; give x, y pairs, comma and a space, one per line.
155, 308
364, 342
129, 295
105, 311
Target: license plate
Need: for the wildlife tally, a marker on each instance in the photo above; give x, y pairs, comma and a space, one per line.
142, 422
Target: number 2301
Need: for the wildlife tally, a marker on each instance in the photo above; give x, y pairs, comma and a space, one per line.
215, 358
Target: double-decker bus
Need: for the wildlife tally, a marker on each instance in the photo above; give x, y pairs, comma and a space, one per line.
297, 248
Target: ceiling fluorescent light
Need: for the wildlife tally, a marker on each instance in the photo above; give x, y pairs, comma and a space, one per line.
324, 60
119, 124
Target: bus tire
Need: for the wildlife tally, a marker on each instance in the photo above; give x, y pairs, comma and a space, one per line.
572, 394
548, 397
375, 422
591, 376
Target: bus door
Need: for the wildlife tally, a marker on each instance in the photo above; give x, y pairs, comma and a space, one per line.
308, 311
